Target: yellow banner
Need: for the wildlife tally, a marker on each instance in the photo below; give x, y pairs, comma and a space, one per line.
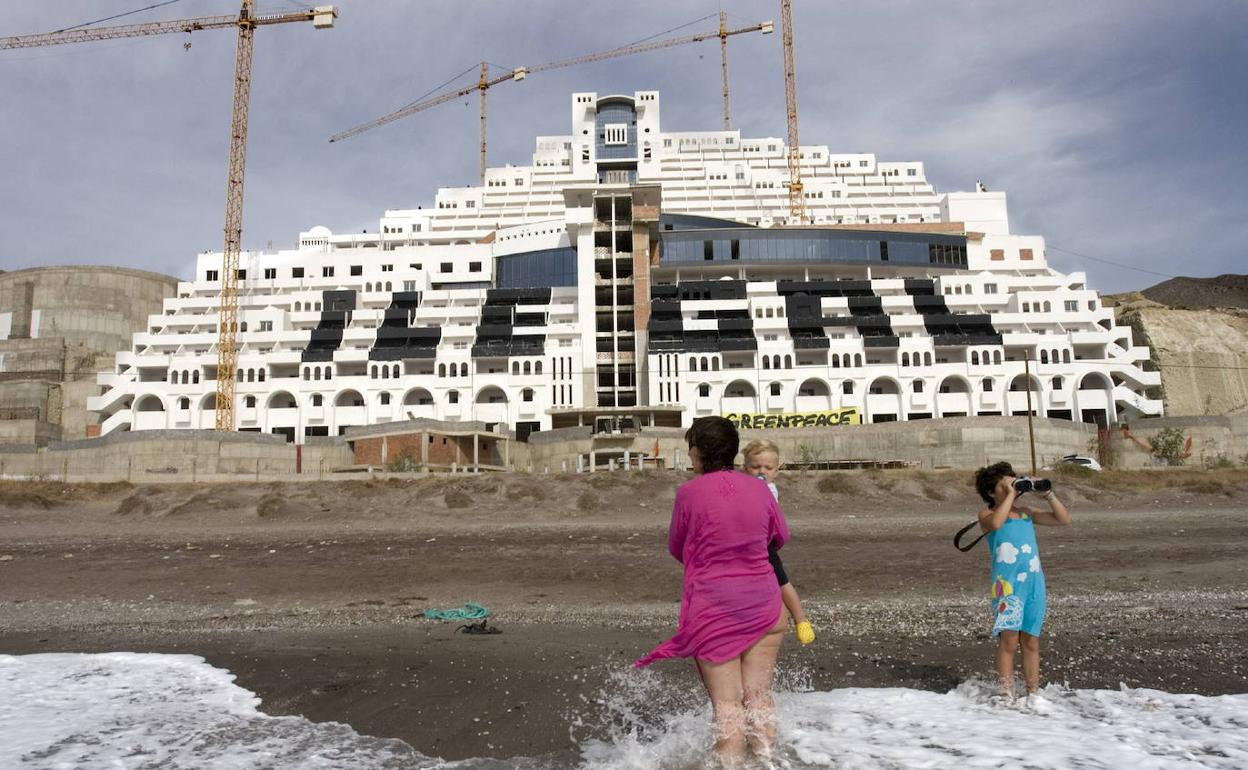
847, 416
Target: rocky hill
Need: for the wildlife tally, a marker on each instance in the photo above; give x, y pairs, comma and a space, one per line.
1197, 329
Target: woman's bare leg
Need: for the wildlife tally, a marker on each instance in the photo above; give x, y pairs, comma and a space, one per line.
724, 685
1031, 661
1007, 648
758, 669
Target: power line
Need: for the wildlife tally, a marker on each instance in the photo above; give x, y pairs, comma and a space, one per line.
1055, 247
117, 16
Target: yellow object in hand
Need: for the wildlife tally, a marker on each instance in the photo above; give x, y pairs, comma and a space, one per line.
805, 633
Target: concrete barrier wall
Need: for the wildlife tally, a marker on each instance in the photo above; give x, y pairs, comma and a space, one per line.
958, 442
174, 456
1215, 440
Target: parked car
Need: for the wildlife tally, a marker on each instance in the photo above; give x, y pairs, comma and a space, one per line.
1082, 461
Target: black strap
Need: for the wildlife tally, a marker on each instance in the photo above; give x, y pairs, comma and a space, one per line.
958, 537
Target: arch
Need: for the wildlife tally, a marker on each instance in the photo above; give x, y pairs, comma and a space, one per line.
349, 397
398, 370
788, 361
372, 371
766, 362
715, 364
1065, 356
463, 369
814, 387
1019, 384
705, 364
260, 375
974, 358
739, 389
693, 363
836, 360
149, 403
389, 286
996, 357
927, 359
1095, 381
537, 367
884, 386
1044, 356
905, 359
281, 399
775, 362
417, 397
195, 377
491, 394
1048, 308
858, 360
515, 368
528, 367
298, 307
316, 373
954, 384
208, 402
441, 370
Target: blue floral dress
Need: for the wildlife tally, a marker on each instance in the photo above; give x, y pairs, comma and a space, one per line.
1018, 595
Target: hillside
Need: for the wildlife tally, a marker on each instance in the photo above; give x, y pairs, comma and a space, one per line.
1199, 293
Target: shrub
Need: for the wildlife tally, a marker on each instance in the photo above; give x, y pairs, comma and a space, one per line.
456, 498
403, 462
1168, 446
836, 484
587, 502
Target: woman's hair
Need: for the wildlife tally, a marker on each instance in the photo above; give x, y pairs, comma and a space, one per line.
717, 442
986, 480
758, 446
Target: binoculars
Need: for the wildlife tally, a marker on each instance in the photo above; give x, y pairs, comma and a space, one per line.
1027, 484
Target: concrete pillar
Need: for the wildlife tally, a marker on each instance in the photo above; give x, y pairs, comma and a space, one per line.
593, 460
611, 464
423, 455
627, 465
476, 453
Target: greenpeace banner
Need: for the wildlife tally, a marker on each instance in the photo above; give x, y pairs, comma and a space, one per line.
847, 416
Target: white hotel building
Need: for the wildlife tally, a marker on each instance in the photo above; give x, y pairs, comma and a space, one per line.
631, 275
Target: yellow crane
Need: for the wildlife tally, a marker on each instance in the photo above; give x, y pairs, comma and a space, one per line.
484, 82
797, 198
322, 17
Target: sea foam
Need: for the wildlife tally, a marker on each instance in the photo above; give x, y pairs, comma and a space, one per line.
128, 710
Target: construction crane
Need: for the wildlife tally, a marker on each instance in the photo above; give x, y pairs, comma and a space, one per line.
322, 17
797, 198
484, 82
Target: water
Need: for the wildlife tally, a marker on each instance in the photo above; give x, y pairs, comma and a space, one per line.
176, 712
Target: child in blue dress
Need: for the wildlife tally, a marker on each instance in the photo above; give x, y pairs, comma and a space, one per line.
1018, 592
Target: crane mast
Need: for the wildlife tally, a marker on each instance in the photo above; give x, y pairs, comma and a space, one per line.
797, 199
723, 63
322, 17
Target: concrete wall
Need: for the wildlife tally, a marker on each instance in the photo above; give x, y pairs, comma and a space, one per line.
1214, 440
959, 442
59, 326
175, 456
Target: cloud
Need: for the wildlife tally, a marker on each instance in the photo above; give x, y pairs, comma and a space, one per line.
1007, 553
1114, 129
1026, 548
1020, 577
1034, 564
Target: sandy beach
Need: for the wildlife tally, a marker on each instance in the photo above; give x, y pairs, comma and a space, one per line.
313, 594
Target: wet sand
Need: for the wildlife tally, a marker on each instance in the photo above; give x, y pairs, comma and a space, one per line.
312, 595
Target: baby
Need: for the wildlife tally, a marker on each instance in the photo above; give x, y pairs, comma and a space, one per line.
762, 459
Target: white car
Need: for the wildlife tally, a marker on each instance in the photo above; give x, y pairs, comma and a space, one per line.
1082, 461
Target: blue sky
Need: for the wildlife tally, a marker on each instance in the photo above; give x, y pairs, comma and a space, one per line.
1115, 127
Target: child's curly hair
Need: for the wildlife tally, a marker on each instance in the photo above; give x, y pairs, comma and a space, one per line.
758, 446
986, 479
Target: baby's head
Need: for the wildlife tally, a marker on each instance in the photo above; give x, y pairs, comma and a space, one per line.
761, 458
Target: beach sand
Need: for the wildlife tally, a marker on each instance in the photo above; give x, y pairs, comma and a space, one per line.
313, 594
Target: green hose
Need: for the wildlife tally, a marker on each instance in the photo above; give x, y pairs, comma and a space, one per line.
470, 611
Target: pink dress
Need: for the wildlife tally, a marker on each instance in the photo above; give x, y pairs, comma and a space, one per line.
722, 523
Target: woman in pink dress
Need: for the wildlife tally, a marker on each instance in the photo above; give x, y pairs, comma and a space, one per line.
731, 616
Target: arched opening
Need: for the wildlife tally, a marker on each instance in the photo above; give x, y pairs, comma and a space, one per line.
905, 359
953, 398
348, 398
537, 367
884, 400
1017, 395
281, 400
740, 396
974, 358
715, 364
149, 403
813, 395
417, 397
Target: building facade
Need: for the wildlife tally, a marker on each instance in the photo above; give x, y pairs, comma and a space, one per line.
631, 276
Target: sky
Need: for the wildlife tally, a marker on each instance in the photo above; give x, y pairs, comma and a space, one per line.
1115, 127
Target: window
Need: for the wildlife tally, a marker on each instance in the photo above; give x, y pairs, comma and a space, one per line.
387, 268
1024, 254
918, 386
250, 402
357, 270
708, 250
775, 388
847, 388
990, 288
1072, 306
452, 397
446, 267
704, 390
912, 172
474, 267
266, 326
385, 399
526, 394
296, 272
996, 255
327, 271
317, 399
270, 273
240, 274
212, 275
615, 133
987, 384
